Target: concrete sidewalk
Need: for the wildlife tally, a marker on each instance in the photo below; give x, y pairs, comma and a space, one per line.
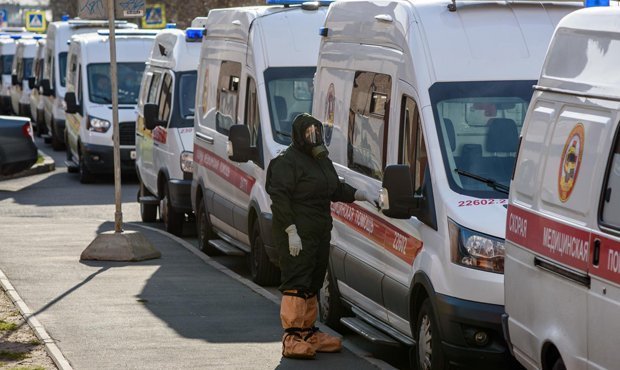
177, 312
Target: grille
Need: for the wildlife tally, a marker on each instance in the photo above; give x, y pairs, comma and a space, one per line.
127, 133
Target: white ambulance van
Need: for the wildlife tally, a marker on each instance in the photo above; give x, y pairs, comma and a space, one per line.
88, 100
25, 51
562, 270
255, 75
34, 83
53, 84
425, 100
165, 127
7, 53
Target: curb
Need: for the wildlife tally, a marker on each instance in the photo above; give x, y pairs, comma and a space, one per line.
50, 345
264, 292
48, 165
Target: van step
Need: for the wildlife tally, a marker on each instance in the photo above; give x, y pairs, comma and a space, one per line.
382, 326
148, 199
72, 166
368, 331
226, 248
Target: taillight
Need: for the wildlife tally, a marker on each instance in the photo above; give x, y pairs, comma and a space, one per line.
27, 131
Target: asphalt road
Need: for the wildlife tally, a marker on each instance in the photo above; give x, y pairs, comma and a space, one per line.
59, 194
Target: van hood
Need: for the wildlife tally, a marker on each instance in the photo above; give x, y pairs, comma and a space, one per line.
125, 112
487, 216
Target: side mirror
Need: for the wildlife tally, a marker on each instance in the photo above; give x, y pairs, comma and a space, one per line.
71, 101
31, 83
47, 88
239, 149
14, 80
397, 198
151, 112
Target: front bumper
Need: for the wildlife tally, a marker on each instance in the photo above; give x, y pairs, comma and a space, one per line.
99, 159
180, 195
460, 320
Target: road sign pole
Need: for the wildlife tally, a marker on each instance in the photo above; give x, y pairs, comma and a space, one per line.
118, 215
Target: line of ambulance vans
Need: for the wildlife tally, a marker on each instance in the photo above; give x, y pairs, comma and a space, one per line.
428, 104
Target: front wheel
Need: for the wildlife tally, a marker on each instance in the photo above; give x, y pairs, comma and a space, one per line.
262, 270
331, 308
173, 220
429, 354
205, 231
148, 212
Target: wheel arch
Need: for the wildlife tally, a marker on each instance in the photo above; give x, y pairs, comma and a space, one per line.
421, 288
549, 354
162, 179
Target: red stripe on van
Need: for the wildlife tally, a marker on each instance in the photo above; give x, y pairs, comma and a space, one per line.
608, 267
397, 242
555, 240
223, 169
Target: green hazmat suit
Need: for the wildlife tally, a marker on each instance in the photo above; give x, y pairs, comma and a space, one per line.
302, 187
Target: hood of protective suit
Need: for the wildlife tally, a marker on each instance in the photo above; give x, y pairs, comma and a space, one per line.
300, 125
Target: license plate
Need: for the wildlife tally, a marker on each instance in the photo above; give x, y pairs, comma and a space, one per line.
132, 154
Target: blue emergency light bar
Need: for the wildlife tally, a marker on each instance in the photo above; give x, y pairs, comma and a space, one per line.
591, 3
296, 2
194, 34
171, 25
38, 37
16, 37
65, 18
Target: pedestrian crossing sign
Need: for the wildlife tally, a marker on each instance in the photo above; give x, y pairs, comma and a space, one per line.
154, 17
35, 21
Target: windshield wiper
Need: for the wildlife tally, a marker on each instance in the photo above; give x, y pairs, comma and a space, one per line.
490, 182
283, 133
104, 98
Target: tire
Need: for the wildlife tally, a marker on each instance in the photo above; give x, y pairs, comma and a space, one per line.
331, 308
148, 212
429, 353
173, 220
204, 230
56, 143
263, 272
86, 177
559, 364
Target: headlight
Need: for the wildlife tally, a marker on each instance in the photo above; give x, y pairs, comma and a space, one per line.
476, 250
97, 124
187, 158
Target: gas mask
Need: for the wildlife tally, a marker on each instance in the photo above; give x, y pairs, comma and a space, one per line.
313, 138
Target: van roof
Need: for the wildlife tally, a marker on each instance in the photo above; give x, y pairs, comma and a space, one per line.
479, 41
585, 53
172, 51
61, 31
95, 47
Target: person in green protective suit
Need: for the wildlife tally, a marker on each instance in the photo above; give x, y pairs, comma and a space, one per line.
302, 183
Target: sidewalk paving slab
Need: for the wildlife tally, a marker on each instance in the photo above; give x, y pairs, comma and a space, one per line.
172, 312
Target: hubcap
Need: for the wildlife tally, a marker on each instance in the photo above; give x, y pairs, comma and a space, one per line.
425, 349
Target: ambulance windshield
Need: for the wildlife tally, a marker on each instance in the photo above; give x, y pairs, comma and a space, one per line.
129, 78
289, 90
478, 124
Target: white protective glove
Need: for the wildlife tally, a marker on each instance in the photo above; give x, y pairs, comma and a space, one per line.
362, 195
294, 241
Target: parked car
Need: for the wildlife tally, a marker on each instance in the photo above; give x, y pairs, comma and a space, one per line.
17, 148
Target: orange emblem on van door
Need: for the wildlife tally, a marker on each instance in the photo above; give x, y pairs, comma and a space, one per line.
570, 161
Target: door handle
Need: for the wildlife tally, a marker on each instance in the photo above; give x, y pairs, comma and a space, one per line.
205, 138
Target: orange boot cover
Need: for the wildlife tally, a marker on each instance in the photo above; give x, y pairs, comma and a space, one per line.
292, 310
321, 342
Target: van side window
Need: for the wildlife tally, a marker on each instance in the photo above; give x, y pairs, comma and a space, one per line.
412, 149
368, 117
154, 88
227, 96
610, 209
79, 85
165, 98
252, 119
